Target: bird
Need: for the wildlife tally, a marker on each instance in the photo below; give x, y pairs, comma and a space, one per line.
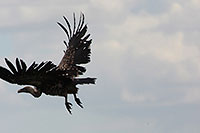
51, 79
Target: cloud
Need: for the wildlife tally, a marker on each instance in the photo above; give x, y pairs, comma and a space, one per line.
137, 44
145, 58
9, 97
176, 96
192, 96
136, 98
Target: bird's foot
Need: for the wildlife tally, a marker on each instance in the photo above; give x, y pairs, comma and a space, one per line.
69, 107
78, 101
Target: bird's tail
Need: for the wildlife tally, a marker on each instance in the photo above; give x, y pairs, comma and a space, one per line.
81, 81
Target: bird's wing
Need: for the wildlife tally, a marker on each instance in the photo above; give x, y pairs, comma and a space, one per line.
33, 75
78, 48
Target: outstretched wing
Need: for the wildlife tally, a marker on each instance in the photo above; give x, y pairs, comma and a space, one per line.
78, 48
33, 75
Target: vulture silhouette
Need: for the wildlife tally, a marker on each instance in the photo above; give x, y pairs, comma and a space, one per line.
51, 79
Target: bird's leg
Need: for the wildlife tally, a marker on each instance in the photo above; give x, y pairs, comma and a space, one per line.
78, 101
68, 105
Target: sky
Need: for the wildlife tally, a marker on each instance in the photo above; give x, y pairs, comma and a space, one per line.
145, 56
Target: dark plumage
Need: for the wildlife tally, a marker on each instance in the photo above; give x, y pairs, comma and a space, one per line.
49, 78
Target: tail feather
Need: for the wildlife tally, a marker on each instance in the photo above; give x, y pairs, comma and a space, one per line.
85, 81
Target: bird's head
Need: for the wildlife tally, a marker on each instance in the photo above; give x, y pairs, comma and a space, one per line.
32, 90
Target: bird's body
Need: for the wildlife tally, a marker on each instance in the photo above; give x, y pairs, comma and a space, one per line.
49, 78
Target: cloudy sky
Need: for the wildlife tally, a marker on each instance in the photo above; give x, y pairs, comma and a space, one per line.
145, 54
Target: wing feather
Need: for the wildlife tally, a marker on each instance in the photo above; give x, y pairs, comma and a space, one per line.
19, 68
74, 23
78, 48
79, 23
24, 67
34, 75
64, 29
68, 24
6, 75
11, 66
31, 68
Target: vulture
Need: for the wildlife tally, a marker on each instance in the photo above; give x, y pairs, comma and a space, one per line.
51, 79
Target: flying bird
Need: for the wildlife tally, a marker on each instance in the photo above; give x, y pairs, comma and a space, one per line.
56, 80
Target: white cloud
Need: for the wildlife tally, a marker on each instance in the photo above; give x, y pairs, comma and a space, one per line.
195, 3
179, 96
114, 5
133, 37
142, 35
176, 7
143, 55
192, 96
136, 98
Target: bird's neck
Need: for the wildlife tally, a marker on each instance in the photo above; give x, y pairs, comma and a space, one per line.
36, 92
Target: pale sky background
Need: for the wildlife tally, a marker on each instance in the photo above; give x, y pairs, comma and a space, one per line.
145, 55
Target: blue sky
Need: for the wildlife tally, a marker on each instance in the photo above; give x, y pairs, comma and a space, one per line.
145, 55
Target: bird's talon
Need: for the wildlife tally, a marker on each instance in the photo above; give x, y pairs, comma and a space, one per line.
68, 106
78, 101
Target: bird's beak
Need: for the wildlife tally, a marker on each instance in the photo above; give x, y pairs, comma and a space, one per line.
31, 91
21, 90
